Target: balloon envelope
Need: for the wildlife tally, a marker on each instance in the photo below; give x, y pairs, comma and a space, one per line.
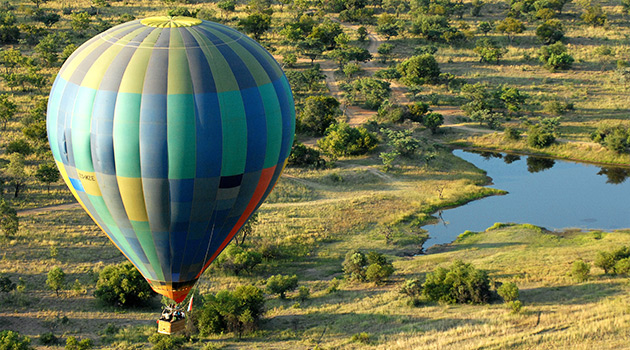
170, 132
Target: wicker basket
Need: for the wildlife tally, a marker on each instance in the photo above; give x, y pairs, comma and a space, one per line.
166, 327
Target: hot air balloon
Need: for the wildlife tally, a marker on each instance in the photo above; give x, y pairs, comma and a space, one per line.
170, 132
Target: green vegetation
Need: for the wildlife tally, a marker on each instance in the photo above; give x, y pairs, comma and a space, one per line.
447, 68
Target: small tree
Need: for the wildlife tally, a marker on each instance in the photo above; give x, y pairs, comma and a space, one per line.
8, 109
9, 221
56, 279
305, 157
540, 137
344, 140
488, 50
510, 26
11, 340
281, 284
47, 173
555, 57
595, 16
319, 112
412, 288
580, 270
235, 259
550, 32
385, 50
256, 24
419, 70
460, 283
72, 343
237, 311
433, 121
6, 285
123, 285
226, 6
16, 171
80, 22
508, 291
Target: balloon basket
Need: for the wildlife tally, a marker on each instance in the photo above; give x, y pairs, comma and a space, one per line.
167, 327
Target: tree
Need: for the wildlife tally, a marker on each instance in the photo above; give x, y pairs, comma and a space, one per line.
433, 121
550, 32
508, 291
402, 141
311, 48
305, 157
237, 311
80, 22
236, 259
363, 33
122, 285
371, 91
419, 70
488, 50
384, 50
580, 270
326, 33
460, 283
344, 140
49, 47
319, 112
387, 26
11, 58
19, 146
510, 26
605, 261
72, 343
9, 221
432, 27
281, 284
47, 173
56, 279
373, 267
540, 137
47, 18
39, 2
8, 109
512, 98
555, 57
16, 172
256, 24
594, 15
485, 27
11, 340
226, 6
9, 32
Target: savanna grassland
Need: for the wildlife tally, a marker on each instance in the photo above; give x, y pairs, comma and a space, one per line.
315, 215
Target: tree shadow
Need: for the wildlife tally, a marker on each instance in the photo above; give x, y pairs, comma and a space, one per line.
570, 294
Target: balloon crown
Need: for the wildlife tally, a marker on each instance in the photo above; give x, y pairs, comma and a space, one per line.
170, 21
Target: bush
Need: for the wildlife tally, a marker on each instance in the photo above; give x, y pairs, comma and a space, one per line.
516, 306
580, 270
615, 138
48, 338
56, 279
460, 283
73, 344
363, 338
281, 284
227, 311
402, 141
372, 267
166, 342
550, 32
511, 134
419, 70
305, 157
318, 113
622, 267
555, 57
123, 285
11, 340
539, 137
19, 146
6, 285
344, 140
508, 291
303, 293
235, 260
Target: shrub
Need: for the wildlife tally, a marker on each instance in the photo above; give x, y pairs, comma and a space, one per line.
580, 270
363, 338
516, 306
594, 15
508, 291
460, 283
555, 57
372, 267
550, 32
56, 279
235, 259
489, 51
412, 288
303, 293
419, 70
615, 138
372, 92
281, 284
511, 134
402, 141
344, 140
318, 113
166, 342
305, 157
73, 344
123, 285
238, 311
540, 137
19, 146
48, 338
11, 340
6, 285
622, 266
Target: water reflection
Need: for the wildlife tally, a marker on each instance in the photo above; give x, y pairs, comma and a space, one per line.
537, 164
550, 193
615, 176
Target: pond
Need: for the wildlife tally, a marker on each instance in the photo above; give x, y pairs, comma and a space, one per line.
545, 192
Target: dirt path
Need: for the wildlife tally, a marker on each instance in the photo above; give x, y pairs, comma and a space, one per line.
49, 208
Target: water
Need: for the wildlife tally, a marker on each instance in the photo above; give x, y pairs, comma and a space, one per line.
550, 193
